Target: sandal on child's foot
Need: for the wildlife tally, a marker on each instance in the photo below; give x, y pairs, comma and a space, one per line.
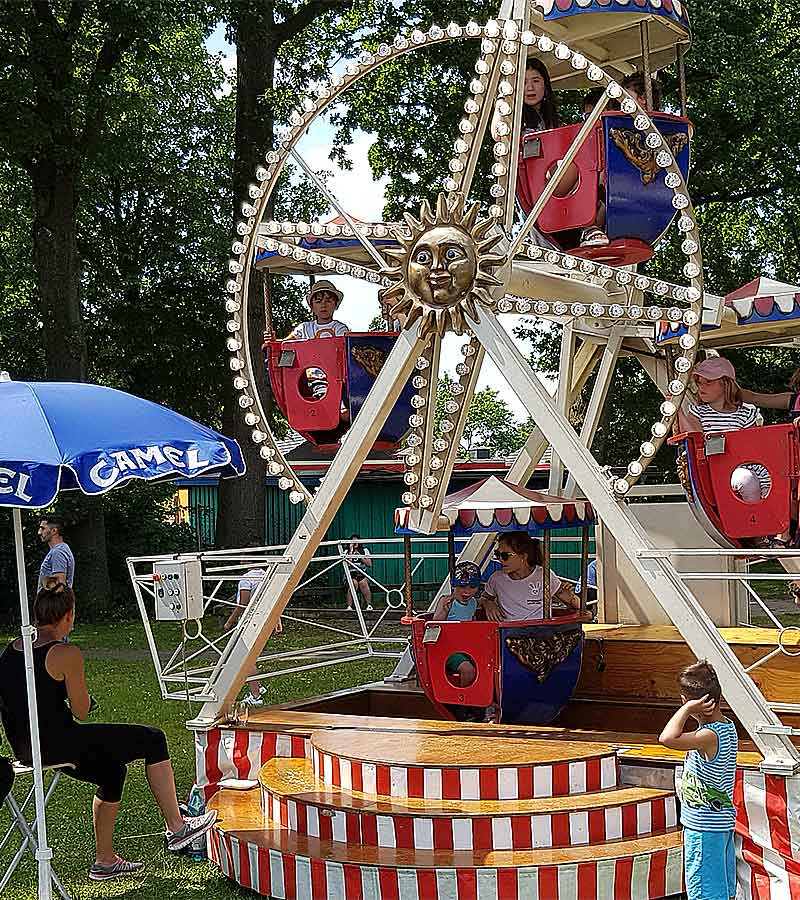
593, 237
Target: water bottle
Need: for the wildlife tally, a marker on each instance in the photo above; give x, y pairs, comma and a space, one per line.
196, 806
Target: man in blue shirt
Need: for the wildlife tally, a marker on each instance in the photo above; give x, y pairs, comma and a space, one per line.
591, 582
59, 563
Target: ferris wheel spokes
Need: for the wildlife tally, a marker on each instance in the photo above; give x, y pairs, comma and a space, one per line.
561, 170
331, 198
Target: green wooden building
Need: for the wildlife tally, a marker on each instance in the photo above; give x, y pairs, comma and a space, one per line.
368, 510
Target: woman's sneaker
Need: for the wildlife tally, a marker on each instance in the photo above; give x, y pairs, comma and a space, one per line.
101, 872
193, 827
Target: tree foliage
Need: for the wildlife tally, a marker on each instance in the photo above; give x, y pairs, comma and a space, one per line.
490, 422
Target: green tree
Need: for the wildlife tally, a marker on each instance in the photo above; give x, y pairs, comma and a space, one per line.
280, 47
490, 421
61, 79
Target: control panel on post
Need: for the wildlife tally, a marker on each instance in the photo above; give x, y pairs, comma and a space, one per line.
178, 588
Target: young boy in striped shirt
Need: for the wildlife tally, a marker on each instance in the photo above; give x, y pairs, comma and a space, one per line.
707, 811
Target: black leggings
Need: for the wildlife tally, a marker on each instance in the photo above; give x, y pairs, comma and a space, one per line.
6, 777
101, 753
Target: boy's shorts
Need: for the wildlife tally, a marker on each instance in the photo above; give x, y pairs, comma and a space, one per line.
709, 859
454, 661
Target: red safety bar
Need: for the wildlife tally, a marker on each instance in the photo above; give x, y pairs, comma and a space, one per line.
712, 460
288, 362
539, 152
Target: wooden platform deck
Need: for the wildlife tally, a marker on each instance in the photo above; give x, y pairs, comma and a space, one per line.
241, 817
634, 746
295, 779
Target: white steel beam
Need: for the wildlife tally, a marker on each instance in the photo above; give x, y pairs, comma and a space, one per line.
521, 471
699, 632
564, 400
267, 603
424, 520
599, 396
534, 283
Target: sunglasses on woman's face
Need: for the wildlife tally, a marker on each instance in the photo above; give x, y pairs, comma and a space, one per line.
505, 555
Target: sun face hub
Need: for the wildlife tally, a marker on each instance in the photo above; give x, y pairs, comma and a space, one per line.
444, 268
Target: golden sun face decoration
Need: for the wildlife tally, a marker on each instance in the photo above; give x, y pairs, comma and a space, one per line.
444, 268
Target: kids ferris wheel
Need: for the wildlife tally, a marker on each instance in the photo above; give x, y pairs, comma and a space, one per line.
455, 269
458, 266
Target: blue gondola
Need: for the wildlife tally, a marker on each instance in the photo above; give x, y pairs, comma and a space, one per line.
526, 670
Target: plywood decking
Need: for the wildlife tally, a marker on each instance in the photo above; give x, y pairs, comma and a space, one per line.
763, 637
638, 746
453, 748
294, 778
643, 662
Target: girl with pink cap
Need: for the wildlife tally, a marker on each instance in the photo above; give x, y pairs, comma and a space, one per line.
721, 407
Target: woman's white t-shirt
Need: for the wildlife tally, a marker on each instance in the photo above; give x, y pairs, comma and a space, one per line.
521, 598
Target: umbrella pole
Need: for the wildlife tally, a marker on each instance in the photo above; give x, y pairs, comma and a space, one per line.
43, 854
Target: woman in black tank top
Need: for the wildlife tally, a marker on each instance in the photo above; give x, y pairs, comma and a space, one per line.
99, 753
51, 697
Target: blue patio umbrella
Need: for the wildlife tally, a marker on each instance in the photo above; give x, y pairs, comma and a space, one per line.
61, 436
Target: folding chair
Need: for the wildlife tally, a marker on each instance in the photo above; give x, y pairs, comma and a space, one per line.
25, 827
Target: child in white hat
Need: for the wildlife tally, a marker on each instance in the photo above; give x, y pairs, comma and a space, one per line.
323, 300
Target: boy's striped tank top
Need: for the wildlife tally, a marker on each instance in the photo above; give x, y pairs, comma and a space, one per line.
707, 785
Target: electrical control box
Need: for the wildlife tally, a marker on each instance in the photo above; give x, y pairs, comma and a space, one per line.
178, 589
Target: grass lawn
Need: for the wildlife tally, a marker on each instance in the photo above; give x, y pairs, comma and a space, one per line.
122, 680
121, 677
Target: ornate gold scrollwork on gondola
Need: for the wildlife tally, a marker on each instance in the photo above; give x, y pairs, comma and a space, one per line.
542, 654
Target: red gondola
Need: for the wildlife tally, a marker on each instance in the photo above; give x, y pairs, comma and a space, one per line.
527, 670
638, 204
348, 367
711, 460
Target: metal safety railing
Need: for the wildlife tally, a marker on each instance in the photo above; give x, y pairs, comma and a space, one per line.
746, 579
184, 661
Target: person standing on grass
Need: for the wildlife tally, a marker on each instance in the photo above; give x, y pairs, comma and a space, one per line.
99, 754
357, 561
59, 563
248, 583
708, 815
6, 778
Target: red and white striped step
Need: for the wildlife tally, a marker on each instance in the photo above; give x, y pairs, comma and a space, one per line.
293, 797
236, 753
452, 767
272, 861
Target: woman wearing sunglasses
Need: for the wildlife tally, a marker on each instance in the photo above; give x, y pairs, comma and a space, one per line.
516, 592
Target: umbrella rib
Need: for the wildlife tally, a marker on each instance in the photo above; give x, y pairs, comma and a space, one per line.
46, 422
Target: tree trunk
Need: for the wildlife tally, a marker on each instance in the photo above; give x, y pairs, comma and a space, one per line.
55, 258
241, 516
57, 267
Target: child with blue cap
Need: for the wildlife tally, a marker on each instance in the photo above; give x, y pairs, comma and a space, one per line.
460, 606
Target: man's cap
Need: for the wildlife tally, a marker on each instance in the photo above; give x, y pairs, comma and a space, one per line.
466, 574
324, 285
715, 367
